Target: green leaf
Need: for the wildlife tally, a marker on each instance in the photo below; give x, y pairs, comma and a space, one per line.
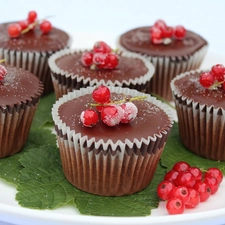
174, 151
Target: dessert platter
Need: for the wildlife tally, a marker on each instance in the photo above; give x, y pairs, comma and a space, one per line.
211, 212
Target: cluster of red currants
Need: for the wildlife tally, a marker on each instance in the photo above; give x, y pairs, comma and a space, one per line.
185, 186
161, 33
23, 26
214, 78
102, 56
111, 113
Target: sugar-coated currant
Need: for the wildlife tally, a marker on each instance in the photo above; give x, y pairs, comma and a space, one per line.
160, 24
156, 35
112, 115
206, 79
218, 71
101, 94
203, 190
112, 61
100, 59
87, 58
165, 189
194, 199
181, 166
3, 72
45, 26
14, 30
167, 32
130, 112
179, 32
89, 117
175, 205
102, 47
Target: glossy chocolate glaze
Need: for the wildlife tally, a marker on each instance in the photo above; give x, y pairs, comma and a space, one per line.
189, 87
138, 40
34, 40
128, 68
150, 120
19, 86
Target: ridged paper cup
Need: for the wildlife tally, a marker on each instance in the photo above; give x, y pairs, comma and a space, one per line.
201, 126
109, 168
64, 81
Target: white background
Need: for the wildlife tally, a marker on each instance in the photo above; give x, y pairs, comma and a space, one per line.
113, 17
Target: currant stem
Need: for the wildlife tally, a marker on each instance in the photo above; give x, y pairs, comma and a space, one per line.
2, 60
216, 84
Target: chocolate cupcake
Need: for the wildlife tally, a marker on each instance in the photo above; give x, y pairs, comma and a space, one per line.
170, 56
68, 73
20, 92
31, 50
111, 160
201, 115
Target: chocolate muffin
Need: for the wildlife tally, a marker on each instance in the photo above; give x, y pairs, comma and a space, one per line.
105, 160
20, 92
31, 50
169, 59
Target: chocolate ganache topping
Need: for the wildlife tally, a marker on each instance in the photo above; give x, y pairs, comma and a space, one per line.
19, 86
150, 120
34, 40
138, 40
128, 68
189, 86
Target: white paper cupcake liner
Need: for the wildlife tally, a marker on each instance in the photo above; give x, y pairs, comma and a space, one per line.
65, 82
201, 127
97, 166
166, 68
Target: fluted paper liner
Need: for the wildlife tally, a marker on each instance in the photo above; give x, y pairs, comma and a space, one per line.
33, 61
201, 127
15, 124
107, 168
166, 68
65, 82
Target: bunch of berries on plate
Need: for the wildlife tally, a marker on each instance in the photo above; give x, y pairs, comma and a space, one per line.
101, 56
213, 78
160, 33
23, 26
110, 112
185, 186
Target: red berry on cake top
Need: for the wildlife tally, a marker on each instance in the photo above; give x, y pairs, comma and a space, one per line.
161, 33
213, 78
100, 57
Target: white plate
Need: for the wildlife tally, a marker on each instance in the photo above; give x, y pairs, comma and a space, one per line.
207, 213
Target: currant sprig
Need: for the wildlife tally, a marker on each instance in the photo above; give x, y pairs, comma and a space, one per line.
111, 112
23, 26
214, 78
185, 186
102, 56
160, 33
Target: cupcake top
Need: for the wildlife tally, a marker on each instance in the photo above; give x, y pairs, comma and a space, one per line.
139, 40
131, 68
34, 40
19, 86
188, 87
153, 119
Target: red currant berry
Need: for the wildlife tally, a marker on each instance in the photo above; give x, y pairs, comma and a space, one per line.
171, 176
160, 24
181, 166
167, 32
218, 71
175, 206
45, 27
101, 47
194, 199
14, 30
185, 178
214, 172
113, 61
3, 72
86, 58
203, 189
89, 117
24, 24
206, 79
179, 32
156, 35
112, 115
213, 184
32, 16
165, 189
196, 172
100, 59
101, 94
181, 192
130, 112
